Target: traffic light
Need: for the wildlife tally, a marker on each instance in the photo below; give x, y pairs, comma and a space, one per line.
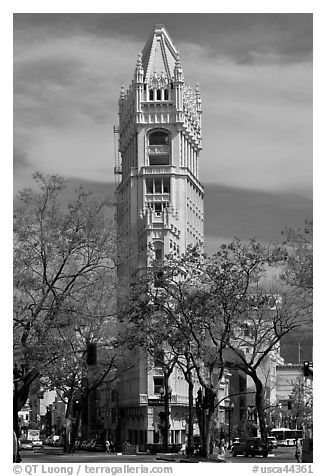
306, 370
91, 357
75, 407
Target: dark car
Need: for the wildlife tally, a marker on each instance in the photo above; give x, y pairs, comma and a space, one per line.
250, 447
25, 444
97, 445
272, 442
37, 444
77, 444
86, 444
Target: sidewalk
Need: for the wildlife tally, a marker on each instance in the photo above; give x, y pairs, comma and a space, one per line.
177, 458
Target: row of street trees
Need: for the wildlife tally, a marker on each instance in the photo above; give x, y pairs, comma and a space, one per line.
190, 310
197, 310
64, 293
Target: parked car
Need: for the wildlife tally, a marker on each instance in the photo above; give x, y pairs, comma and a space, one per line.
82, 445
90, 445
58, 441
37, 444
54, 440
272, 442
77, 444
250, 447
155, 448
85, 445
25, 444
48, 441
97, 445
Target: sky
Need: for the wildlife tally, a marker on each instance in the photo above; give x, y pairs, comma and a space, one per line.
255, 77
254, 72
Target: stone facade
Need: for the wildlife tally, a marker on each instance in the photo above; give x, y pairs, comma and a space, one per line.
159, 208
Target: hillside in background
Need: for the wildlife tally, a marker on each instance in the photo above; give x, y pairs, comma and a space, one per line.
231, 212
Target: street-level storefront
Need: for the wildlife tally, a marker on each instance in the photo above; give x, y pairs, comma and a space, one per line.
144, 425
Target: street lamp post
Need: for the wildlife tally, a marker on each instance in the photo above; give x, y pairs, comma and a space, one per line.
230, 411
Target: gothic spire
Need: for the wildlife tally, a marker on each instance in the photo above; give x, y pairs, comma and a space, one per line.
159, 53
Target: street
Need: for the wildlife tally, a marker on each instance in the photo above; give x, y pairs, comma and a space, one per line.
280, 455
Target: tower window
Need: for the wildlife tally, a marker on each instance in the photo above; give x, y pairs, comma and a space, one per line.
159, 138
158, 250
149, 186
158, 95
158, 147
158, 255
166, 185
151, 95
158, 185
166, 94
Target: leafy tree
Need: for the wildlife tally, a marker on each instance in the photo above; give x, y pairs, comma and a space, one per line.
302, 404
202, 306
173, 303
62, 254
299, 267
256, 313
146, 333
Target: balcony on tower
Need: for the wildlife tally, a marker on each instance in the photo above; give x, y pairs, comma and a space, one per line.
159, 215
158, 148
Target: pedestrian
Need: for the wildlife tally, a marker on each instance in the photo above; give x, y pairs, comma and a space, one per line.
298, 450
221, 455
107, 446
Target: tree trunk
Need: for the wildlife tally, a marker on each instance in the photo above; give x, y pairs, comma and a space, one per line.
205, 413
208, 433
22, 391
67, 444
75, 427
190, 442
166, 413
260, 405
210, 411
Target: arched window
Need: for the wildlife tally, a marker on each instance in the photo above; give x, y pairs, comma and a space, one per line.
166, 94
159, 138
158, 95
158, 250
159, 150
151, 95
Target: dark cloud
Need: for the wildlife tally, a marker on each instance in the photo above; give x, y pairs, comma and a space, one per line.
256, 113
233, 35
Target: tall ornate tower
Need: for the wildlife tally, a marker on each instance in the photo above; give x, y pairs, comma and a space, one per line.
160, 198
159, 205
